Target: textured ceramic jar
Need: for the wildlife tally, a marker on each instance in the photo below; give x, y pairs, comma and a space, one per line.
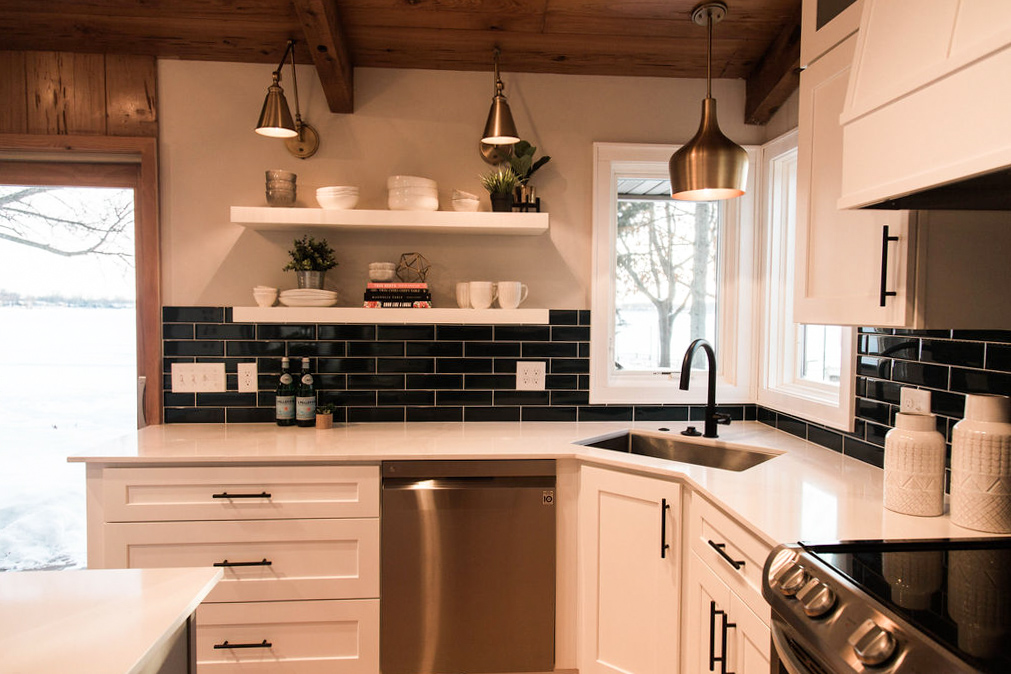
914, 466
981, 465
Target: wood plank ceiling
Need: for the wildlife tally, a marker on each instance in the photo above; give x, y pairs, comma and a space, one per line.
759, 41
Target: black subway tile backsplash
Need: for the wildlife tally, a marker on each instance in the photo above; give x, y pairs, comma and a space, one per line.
193, 314
348, 332
563, 317
193, 348
998, 357
464, 333
177, 331
522, 333
285, 331
947, 352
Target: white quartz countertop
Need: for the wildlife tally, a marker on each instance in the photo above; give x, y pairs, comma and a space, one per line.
807, 493
94, 621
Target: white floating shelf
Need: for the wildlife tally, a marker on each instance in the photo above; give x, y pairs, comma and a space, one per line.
362, 315
441, 222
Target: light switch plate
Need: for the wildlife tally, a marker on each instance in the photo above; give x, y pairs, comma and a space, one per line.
530, 375
914, 401
198, 377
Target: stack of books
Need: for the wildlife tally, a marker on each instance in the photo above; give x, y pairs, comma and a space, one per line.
397, 296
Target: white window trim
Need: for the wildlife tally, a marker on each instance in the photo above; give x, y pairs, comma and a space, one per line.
735, 383
778, 387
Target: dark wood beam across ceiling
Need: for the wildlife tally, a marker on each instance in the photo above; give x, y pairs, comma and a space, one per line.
651, 38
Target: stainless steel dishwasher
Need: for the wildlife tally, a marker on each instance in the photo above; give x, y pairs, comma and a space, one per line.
468, 567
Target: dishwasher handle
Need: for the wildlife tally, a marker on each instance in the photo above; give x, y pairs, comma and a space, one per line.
466, 483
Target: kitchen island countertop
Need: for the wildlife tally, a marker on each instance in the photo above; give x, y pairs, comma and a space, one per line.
102, 621
806, 493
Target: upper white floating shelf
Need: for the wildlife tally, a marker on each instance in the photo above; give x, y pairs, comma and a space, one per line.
442, 222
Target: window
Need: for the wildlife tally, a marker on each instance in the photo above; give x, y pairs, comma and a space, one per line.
805, 370
665, 273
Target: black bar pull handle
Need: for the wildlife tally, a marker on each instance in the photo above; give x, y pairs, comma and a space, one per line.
225, 644
721, 549
723, 660
712, 635
664, 545
885, 239
226, 563
225, 494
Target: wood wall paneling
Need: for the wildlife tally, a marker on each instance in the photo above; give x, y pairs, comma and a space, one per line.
13, 93
130, 96
66, 93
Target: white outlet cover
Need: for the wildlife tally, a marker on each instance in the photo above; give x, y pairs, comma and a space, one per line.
247, 378
530, 375
914, 401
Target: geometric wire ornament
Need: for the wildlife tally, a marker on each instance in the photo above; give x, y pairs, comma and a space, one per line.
413, 268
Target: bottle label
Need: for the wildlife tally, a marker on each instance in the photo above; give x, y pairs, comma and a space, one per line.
285, 378
307, 379
305, 408
284, 407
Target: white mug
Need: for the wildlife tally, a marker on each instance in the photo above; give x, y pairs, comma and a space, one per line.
482, 294
463, 295
511, 294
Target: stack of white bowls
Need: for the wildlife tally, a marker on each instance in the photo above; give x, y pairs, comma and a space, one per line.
411, 193
338, 196
465, 201
265, 296
280, 187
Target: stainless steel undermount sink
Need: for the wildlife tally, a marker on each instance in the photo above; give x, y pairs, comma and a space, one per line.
713, 454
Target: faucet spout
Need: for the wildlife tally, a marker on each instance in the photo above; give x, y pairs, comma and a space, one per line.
712, 418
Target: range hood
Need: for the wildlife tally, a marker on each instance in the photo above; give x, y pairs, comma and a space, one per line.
927, 118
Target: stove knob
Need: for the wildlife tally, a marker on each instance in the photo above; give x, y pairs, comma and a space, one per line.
872, 644
791, 578
816, 598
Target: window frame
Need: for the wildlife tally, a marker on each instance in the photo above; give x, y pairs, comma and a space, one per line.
736, 259
779, 385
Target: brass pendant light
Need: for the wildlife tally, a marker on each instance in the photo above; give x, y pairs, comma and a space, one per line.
275, 117
710, 166
500, 128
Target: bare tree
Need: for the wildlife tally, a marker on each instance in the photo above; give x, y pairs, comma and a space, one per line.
60, 221
667, 263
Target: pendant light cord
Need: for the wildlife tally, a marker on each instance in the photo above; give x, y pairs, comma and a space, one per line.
709, 53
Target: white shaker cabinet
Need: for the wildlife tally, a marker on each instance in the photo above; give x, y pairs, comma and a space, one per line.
911, 269
629, 580
824, 24
298, 544
727, 620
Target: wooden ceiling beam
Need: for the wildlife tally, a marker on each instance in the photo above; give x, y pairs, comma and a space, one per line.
329, 48
775, 76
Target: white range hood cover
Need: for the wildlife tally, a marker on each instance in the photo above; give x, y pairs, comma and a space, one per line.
929, 100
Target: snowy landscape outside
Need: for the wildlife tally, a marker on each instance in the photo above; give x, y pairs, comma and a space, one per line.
67, 381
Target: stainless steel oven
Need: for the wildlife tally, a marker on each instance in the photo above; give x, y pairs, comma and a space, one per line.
894, 607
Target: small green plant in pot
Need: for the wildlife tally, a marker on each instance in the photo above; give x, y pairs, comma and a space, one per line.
500, 184
310, 260
324, 415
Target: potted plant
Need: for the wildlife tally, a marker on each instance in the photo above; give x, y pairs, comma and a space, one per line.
324, 415
523, 165
500, 184
310, 260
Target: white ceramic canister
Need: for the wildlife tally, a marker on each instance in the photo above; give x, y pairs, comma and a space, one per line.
914, 466
981, 465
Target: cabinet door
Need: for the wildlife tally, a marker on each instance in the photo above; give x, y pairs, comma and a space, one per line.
705, 595
839, 262
748, 642
629, 586
824, 24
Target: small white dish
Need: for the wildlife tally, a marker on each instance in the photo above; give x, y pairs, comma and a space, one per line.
466, 205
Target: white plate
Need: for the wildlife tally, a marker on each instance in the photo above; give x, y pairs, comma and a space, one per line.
308, 292
306, 302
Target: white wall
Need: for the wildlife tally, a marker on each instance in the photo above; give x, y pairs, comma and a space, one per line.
415, 122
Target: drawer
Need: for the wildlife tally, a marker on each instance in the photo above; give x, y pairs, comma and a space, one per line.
712, 530
277, 559
239, 492
311, 637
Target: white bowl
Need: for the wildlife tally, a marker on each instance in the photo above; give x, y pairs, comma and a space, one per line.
460, 194
337, 201
382, 275
408, 202
265, 298
469, 205
338, 189
410, 181
382, 265
279, 174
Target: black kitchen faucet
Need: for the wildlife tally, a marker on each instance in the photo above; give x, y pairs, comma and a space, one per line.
712, 417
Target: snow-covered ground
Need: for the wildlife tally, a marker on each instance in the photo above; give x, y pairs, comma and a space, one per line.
67, 381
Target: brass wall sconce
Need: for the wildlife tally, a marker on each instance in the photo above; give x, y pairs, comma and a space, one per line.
275, 117
710, 166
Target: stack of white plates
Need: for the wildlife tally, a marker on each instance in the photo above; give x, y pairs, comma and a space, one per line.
337, 197
411, 193
308, 297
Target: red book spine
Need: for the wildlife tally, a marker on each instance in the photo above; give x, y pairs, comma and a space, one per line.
394, 286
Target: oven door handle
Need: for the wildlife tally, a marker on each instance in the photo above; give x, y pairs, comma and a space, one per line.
787, 658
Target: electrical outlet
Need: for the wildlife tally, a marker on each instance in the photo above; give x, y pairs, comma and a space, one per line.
198, 377
914, 401
530, 375
247, 378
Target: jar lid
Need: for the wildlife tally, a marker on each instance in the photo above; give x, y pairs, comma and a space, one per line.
916, 422
982, 407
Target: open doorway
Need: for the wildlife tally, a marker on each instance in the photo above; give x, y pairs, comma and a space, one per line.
78, 256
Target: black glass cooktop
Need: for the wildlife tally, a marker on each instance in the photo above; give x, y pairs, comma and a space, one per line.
957, 592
